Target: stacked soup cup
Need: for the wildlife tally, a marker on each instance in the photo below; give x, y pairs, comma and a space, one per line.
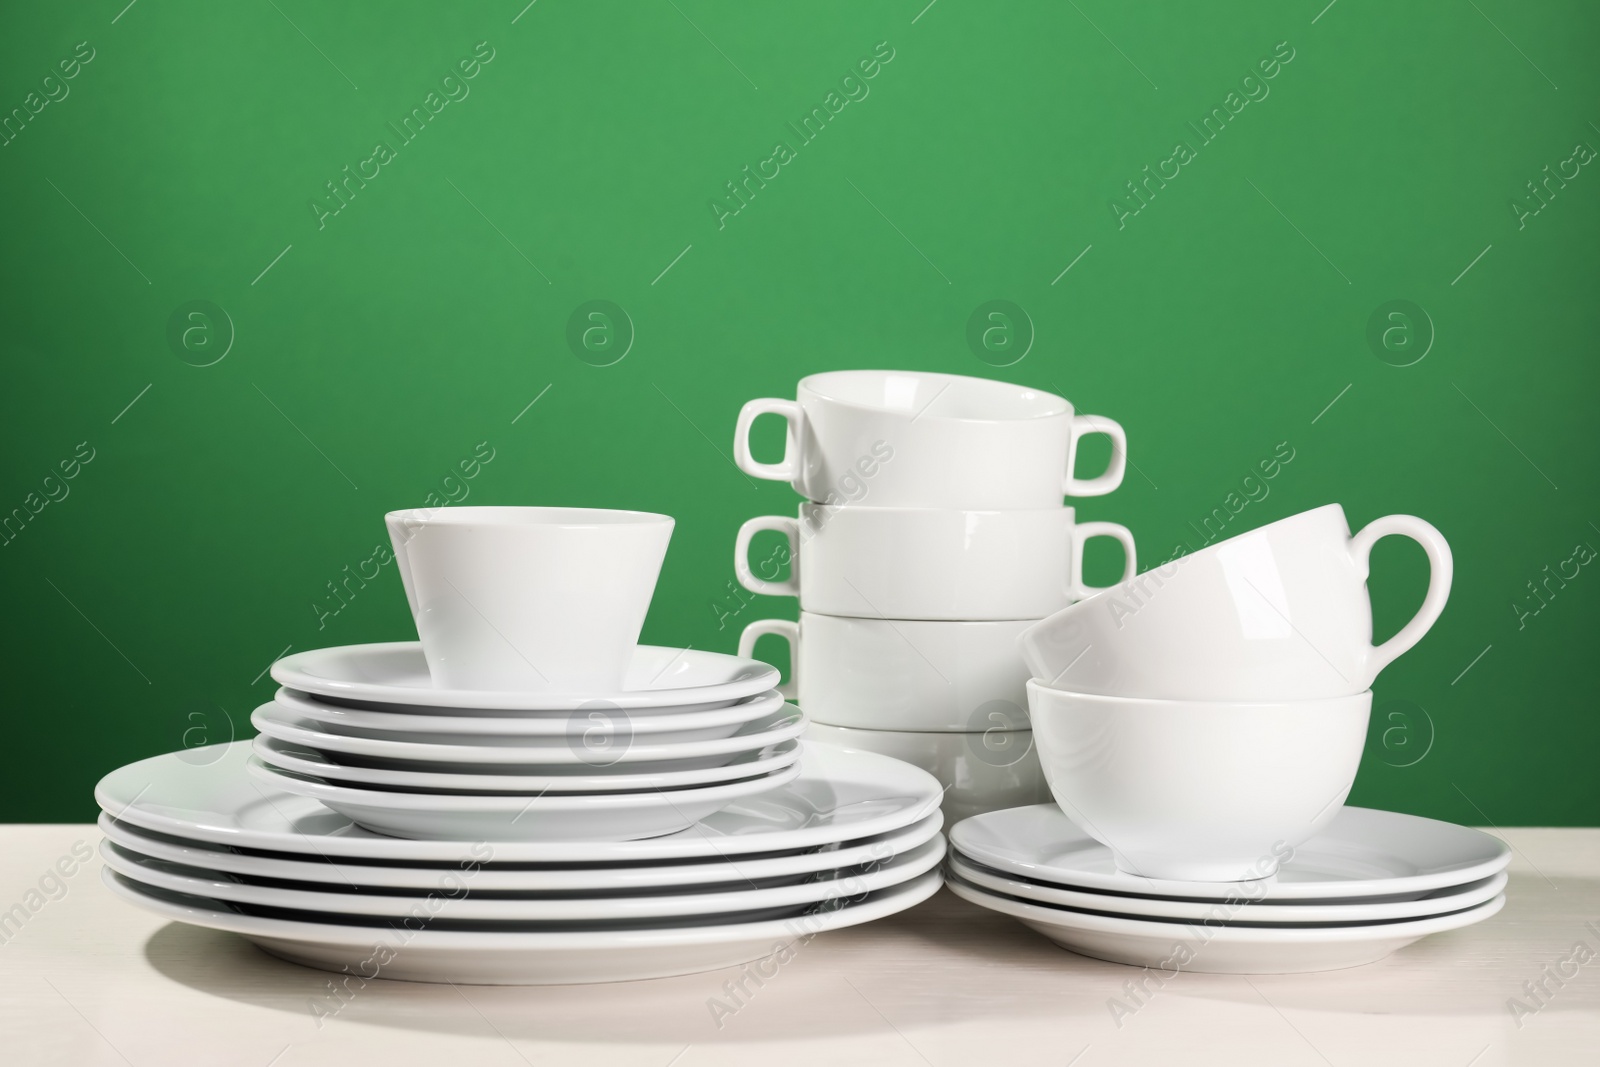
1207, 717
932, 535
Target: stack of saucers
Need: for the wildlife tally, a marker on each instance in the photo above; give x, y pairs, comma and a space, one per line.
401, 757
192, 837
933, 533
1369, 883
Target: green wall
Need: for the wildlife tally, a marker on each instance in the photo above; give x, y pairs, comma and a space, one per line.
375, 349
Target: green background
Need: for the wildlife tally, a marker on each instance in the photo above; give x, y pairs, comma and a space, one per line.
376, 352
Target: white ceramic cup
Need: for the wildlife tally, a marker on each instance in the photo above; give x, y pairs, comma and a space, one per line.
921, 440
1279, 613
512, 598
892, 674
929, 563
983, 771
1204, 791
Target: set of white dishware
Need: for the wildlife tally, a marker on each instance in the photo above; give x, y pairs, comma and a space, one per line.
932, 536
526, 794
1202, 723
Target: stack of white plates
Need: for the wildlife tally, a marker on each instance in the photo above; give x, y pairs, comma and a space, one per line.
1370, 883
848, 838
363, 730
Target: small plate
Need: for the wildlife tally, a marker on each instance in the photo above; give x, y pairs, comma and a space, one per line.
466, 903
205, 794
396, 673
457, 729
611, 746
487, 778
1172, 946
1361, 853
487, 876
539, 954
496, 817
1227, 912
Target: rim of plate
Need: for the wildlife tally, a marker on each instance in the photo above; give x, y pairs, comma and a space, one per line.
1468, 895
1496, 856
894, 795
1072, 919
290, 757
313, 671
274, 720
891, 900
308, 706
500, 804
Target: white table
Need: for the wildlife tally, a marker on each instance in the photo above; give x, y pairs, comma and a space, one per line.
88, 979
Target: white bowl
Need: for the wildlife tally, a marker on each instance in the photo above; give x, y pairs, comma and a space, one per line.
1206, 791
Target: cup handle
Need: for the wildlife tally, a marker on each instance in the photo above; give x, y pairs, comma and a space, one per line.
785, 469
1082, 425
790, 632
1441, 570
790, 528
1081, 533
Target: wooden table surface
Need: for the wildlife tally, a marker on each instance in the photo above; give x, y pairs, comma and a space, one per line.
88, 979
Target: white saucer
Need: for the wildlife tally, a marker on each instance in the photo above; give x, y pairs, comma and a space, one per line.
760, 869
459, 729
1171, 946
487, 778
1216, 912
205, 794
497, 817
396, 673
460, 901
515, 957
595, 751
1361, 853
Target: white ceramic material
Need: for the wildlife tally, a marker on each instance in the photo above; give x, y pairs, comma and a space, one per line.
887, 674
914, 439
550, 817
542, 599
981, 771
492, 778
205, 794
396, 673
451, 729
1361, 853
1279, 613
927, 563
1241, 910
1175, 946
467, 903
541, 954
484, 875
608, 742
1198, 790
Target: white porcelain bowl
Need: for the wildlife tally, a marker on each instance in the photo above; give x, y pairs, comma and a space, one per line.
980, 772
1206, 791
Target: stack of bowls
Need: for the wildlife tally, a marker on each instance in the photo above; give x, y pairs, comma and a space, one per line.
933, 534
1199, 725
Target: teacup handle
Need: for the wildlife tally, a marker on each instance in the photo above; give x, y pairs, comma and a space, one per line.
790, 632
790, 528
1082, 425
785, 469
1441, 570
1081, 533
